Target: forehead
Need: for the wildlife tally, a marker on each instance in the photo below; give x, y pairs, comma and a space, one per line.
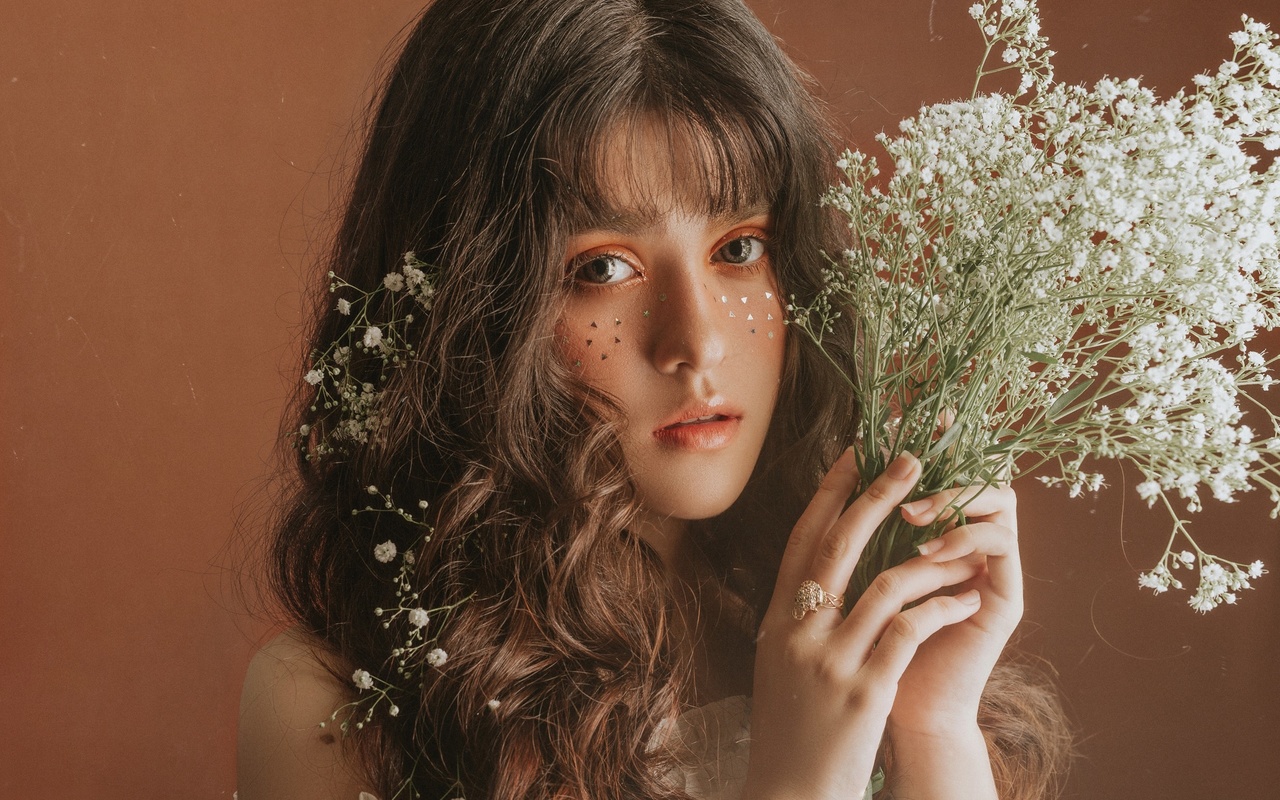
648, 166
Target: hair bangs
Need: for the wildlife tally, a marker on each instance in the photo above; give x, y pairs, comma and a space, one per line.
636, 163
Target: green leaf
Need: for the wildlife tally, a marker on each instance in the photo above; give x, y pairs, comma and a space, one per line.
1065, 400
943, 443
1032, 355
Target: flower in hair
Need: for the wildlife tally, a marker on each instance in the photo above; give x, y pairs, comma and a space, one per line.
347, 375
362, 679
385, 552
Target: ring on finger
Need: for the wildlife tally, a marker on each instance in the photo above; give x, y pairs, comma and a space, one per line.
811, 597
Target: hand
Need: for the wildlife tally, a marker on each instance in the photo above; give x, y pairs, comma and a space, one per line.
939, 692
825, 684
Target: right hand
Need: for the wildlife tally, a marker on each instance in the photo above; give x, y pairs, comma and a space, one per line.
824, 685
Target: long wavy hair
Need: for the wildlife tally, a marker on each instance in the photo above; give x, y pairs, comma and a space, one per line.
484, 152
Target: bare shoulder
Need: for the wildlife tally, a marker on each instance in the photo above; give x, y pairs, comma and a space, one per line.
282, 752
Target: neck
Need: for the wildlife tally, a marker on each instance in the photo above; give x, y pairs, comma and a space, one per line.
666, 535
721, 658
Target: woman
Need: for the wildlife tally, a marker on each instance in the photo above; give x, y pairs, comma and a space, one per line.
612, 436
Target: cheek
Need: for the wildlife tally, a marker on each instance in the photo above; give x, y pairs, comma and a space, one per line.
754, 320
596, 338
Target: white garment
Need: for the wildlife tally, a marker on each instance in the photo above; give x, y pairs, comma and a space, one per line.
713, 745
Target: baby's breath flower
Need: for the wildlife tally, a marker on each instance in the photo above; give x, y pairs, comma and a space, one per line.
385, 552
437, 657
394, 282
418, 617
344, 306
313, 377
362, 679
1032, 256
372, 337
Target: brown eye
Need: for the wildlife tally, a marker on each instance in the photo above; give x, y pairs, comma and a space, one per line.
743, 250
604, 269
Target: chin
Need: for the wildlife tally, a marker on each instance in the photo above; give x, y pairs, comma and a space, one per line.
692, 500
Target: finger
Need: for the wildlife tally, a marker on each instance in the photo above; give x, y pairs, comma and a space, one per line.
993, 544
891, 590
910, 628
821, 513
975, 538
998, 503
837, 553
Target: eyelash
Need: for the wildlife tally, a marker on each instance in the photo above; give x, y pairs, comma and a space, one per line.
578, 262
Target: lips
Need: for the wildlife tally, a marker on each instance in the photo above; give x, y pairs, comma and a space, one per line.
703, 426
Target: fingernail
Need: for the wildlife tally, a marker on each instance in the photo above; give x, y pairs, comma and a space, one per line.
970, 598
931, 546
901, 466
916, 506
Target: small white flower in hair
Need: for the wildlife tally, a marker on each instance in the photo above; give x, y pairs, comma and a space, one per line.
385, 552
362, 679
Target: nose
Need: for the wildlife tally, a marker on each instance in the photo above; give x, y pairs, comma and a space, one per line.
689, 322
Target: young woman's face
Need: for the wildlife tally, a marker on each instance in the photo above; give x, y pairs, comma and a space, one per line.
676, 315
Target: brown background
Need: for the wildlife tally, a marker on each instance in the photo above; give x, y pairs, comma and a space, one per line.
163, 170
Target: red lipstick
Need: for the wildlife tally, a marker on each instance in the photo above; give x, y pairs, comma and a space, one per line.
702, 426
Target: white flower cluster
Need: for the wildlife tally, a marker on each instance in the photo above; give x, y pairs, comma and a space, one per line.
1218, 583
419, 644
1076, 273
356, 403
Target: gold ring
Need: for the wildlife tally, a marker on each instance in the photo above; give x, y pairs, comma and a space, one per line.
811, 597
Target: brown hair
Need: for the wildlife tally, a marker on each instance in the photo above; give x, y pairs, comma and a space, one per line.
483, 151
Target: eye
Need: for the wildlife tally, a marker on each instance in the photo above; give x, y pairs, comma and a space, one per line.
603, 269
742, 250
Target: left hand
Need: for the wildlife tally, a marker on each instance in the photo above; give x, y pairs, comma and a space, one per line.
938, 695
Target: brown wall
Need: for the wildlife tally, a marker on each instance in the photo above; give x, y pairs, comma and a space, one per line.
162, 166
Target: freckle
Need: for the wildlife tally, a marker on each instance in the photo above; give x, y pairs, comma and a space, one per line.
749, 318
616, 340
744, 299
768, 295
753, 330
662, 298
593, 325
588, 343
617, 322
603, 356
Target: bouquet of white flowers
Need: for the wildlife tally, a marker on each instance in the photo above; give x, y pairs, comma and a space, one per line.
1068, 274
